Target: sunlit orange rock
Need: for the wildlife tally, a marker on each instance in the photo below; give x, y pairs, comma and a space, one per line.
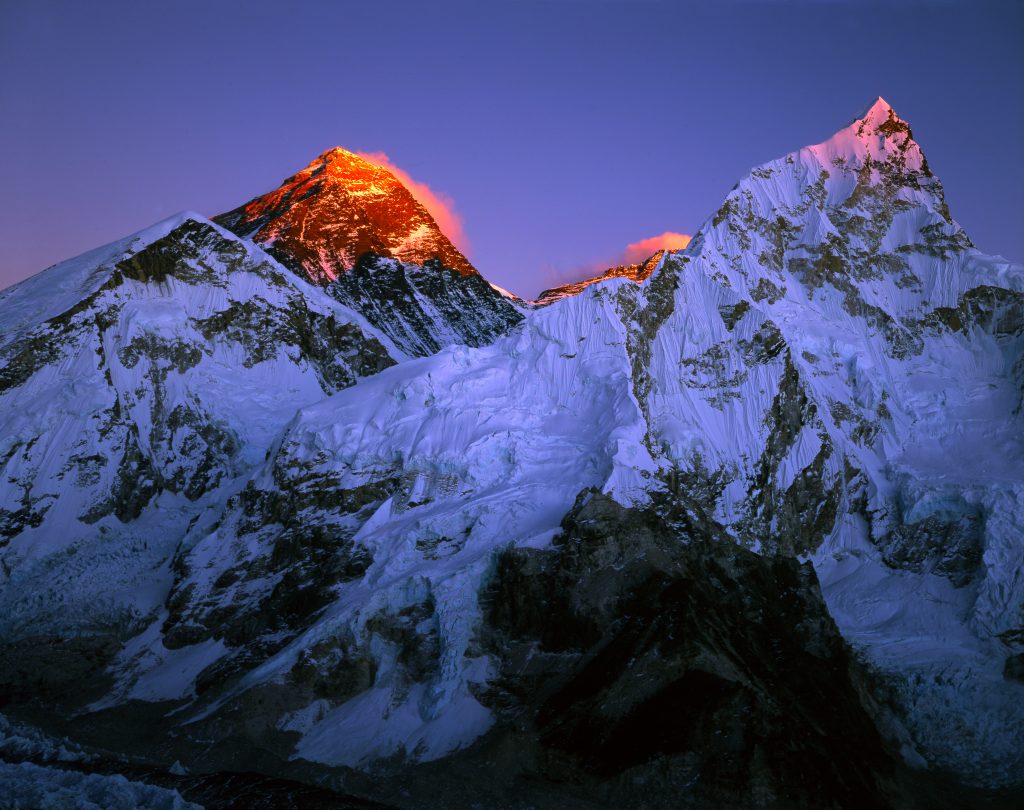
340, 207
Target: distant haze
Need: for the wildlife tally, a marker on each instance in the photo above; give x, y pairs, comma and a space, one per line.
553, 136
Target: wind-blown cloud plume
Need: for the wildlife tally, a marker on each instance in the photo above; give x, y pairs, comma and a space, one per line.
440, 206
638, 251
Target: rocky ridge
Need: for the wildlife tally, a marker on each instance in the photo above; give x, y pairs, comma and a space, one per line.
637, 272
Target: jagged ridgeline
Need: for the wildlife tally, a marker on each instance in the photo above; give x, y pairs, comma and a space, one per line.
637, 272
740, 526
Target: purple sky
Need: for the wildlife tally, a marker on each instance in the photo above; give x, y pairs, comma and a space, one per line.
562, 129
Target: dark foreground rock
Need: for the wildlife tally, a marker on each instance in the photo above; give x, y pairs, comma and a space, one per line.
632, 667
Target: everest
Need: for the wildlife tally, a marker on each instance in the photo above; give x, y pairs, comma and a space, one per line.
352, 227
293, 498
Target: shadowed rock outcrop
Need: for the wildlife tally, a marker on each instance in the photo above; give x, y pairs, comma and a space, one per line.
667, 671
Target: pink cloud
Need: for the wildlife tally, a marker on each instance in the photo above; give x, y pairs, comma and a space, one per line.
440, 206
638, 251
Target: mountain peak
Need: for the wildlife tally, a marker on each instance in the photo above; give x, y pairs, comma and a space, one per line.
885, 135
881, 119
878, 134
340, 171
336, 152
338, 208
340, 158
878, 111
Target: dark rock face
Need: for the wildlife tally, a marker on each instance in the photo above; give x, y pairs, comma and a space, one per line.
304, 524
664, 673
950, 548
1014, 667
425, 308
227, 790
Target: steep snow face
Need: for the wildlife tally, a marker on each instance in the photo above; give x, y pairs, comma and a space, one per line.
829, 370
895, 330
138, 382
637, 272
350, 225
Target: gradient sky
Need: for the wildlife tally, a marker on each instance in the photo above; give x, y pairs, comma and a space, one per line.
563, 130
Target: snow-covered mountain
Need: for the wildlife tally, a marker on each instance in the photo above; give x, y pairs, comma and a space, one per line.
353, 227
777, 484
138, 381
